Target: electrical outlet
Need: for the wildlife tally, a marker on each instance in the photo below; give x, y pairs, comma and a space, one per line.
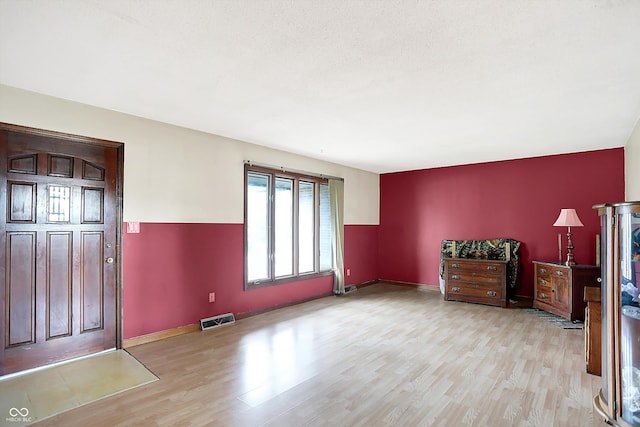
212, 297
348, 272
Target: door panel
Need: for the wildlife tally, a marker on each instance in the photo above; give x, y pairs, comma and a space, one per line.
59, 283
61, 166
59, 224
92, 172
562, 292
22, 202
92, 205
23, 164
21, 259
91, 281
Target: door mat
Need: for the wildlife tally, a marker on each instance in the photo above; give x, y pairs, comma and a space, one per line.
34, 396
558, 321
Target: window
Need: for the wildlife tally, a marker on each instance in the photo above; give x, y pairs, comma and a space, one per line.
287, 227
59, 203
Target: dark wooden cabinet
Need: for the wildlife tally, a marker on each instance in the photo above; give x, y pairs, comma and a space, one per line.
559, 288
476, 280
593, 330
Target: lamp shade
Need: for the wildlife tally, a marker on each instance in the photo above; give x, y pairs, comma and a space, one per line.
568, 218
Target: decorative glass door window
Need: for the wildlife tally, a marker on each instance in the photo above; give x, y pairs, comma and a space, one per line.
59, 207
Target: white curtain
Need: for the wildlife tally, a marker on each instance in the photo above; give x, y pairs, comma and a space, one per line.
336, 203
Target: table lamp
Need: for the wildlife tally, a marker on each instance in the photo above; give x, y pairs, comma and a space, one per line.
568, 218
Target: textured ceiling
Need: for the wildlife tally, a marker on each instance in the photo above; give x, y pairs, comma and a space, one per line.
378, 85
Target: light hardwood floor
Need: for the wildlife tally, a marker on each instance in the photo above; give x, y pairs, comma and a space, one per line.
385, 355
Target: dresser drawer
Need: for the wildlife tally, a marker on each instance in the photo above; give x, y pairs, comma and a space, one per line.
543, 271
455, 290
476, 267
544, 281
480, 278
544, 294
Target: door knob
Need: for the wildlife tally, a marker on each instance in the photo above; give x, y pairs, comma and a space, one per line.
109, 260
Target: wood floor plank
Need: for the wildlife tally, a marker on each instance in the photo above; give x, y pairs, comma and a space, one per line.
385, 355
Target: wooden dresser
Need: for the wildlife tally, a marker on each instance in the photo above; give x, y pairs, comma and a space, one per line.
559, 289
476, 280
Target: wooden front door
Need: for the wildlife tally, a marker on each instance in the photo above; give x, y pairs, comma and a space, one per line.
59, 239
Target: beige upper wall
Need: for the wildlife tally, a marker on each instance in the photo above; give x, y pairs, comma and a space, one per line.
632, 165
173, 174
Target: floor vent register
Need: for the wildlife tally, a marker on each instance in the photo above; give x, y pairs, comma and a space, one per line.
215, 321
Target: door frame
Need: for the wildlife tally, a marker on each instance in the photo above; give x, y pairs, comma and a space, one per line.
119, 147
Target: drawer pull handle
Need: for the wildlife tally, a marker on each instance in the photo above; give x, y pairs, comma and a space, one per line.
543, 270
455, 265
492, 293
544, 296
543, 282
455, 277
455, 289
492, 268
559, 273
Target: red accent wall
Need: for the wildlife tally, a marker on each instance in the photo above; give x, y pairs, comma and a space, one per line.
169, 270
518, 199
